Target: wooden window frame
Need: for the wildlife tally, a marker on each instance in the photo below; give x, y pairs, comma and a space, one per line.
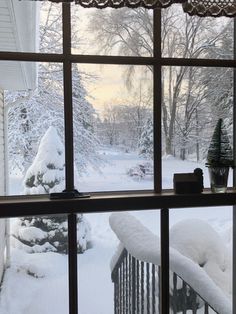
17, 206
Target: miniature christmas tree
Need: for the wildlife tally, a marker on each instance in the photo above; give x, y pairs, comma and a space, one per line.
220, 153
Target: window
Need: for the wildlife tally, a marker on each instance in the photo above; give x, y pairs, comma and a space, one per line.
138, 99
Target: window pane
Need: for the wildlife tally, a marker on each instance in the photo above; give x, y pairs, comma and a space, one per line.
139, 234
185, 36
201, 260
27, 26
194, 100
35, 279
122, 32
32, 128
113, 128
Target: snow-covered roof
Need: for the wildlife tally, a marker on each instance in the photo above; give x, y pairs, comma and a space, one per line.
18, 32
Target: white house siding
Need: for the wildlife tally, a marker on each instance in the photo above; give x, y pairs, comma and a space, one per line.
18, 32
2, 163
2, 246
2, 188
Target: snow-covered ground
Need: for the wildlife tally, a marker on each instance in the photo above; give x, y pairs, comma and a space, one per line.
38, 283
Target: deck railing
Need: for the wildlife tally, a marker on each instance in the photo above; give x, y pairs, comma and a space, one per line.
137, 289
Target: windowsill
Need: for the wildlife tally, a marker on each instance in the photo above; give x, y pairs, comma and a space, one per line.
16, 206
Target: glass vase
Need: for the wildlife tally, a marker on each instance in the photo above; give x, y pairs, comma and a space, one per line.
218, 179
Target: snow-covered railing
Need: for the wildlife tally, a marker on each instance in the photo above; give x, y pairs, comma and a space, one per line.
135, 288
142, 246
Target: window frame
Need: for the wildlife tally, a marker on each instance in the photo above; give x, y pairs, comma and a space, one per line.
17, 206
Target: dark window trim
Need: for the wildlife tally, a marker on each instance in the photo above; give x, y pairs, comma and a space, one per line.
17, 206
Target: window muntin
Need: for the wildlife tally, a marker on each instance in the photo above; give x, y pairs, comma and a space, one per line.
67, 105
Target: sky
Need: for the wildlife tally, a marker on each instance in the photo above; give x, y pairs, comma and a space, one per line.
110, 86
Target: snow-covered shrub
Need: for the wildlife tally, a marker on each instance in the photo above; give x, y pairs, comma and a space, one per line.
46, 175
141, 171
47, 172
50, 233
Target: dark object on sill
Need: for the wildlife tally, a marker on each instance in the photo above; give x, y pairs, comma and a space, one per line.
187, 183
68, 195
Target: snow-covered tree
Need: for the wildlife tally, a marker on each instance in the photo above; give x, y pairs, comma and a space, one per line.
130, 32
46, 175
146, 140
85, 141
47, 172
31, 113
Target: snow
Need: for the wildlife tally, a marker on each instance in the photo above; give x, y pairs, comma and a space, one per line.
199, 241
113, 175
47, 291
48, 166
136, 238
145, 246
31, 234
203, 245
35, 283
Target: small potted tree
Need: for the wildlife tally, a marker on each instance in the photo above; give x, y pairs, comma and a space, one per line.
219, 158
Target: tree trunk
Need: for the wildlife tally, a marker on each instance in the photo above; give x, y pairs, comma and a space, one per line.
169, 150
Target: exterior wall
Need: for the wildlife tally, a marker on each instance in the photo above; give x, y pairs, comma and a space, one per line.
2, 246
2, 152
2, 188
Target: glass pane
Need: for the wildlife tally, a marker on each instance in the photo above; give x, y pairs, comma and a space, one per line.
194, 101
35, 277
27, 26
113, 127
122, 32
129, 264
185, 36
32, 128
201, 260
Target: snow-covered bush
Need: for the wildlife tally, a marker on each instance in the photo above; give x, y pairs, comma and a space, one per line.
141, 171
46, 175
49, 234
47, 172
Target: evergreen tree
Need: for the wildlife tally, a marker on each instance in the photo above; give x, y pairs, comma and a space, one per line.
47, 172
146, 140
31, 113
220, 152
46, 175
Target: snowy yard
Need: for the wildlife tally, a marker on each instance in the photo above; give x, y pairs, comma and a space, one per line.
38, 283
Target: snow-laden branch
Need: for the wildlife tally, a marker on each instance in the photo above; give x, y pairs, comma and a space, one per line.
141, 243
